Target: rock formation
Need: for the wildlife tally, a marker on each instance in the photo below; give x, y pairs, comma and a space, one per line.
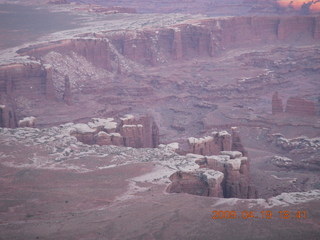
236, 141
28, 80
277, 106
27, 122
295, 106
210, 145
139, 132
67, 96
206, 38
297, 153
129, 132
7, 117
300, 107
201, 182
235, 167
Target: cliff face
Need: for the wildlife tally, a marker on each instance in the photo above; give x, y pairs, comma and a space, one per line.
116, 51
7, 117
26, 80
191, 39
302, 107
295, 106
211, 145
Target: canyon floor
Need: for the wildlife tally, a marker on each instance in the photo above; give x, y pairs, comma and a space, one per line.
193, 74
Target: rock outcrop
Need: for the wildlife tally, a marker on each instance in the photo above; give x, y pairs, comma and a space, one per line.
201, 182
301, 107
214, 144
27, 122
277, 106
219, 141
67, 97
139, 132
236, 142
297, 153
235, 167
295, 106
129, 131
7, 117
28, 80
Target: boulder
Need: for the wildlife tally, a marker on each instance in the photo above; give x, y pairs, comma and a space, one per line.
27, 122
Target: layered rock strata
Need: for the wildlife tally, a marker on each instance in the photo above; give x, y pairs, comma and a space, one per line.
26, 79
295, 106
301, 107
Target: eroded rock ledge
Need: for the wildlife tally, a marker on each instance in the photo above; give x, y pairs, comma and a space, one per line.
297, 153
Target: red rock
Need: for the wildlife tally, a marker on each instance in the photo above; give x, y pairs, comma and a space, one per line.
139, 131
277, 106
205, 38
37, 77
236, 182
236, 141
103, 138
132, 132
202, 183
210, 145
301, 107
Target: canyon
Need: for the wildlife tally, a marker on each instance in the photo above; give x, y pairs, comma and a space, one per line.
152, 121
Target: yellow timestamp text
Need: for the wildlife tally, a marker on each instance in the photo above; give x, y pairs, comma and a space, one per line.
264, 214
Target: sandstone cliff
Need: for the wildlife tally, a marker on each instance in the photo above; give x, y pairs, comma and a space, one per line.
28, 79
188, 40
120, 51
